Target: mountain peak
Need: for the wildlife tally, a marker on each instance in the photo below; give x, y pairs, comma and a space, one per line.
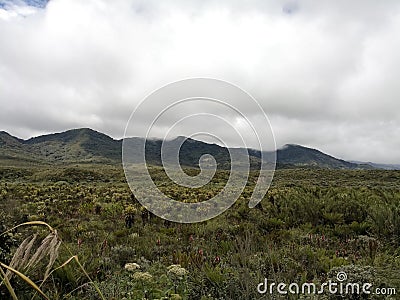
88, 145
84, 130
5, 137
182, 137
295, 146
297, 155
4, 133
67, 136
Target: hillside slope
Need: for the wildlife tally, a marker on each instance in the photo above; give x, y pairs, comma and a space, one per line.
85, 145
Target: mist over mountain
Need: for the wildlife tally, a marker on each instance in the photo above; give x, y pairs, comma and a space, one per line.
84, 145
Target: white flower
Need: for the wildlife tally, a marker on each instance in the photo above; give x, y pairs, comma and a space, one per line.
134, 235
142, 276
131, 267
177, 270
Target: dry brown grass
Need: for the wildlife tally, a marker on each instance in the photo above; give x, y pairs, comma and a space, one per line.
25, 260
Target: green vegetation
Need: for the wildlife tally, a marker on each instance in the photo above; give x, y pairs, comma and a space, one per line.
87, 146
311, 224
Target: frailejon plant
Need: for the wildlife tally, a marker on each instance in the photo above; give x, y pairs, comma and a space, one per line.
178, 275
310, 222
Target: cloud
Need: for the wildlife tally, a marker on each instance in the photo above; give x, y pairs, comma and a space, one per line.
325, 72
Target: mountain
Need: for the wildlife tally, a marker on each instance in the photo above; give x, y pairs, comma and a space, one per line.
73, 146
12, 149
89, 146
191, 151
379, 166
83, 144
300, 156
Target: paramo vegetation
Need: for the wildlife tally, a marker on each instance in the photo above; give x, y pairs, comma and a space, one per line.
103, 244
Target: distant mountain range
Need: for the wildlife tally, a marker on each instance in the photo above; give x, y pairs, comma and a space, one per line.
380, 166
79, 146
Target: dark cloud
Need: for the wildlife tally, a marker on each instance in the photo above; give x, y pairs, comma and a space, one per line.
325, 72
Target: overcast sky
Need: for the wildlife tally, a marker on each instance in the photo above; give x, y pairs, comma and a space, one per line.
325, 72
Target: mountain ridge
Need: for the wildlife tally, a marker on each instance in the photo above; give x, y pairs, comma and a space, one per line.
85, 145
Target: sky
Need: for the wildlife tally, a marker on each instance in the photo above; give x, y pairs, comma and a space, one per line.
325, 72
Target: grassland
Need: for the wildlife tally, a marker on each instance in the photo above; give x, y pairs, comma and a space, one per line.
311, 224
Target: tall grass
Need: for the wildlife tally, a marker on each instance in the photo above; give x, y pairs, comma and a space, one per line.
25, 260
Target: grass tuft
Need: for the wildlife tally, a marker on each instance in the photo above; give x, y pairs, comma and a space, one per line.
23, 262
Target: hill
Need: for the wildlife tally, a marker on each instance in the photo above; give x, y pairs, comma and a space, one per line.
73, 146
89, 146
379, 165
300, 156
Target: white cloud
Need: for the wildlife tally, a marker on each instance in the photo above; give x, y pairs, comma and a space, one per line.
325, 72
